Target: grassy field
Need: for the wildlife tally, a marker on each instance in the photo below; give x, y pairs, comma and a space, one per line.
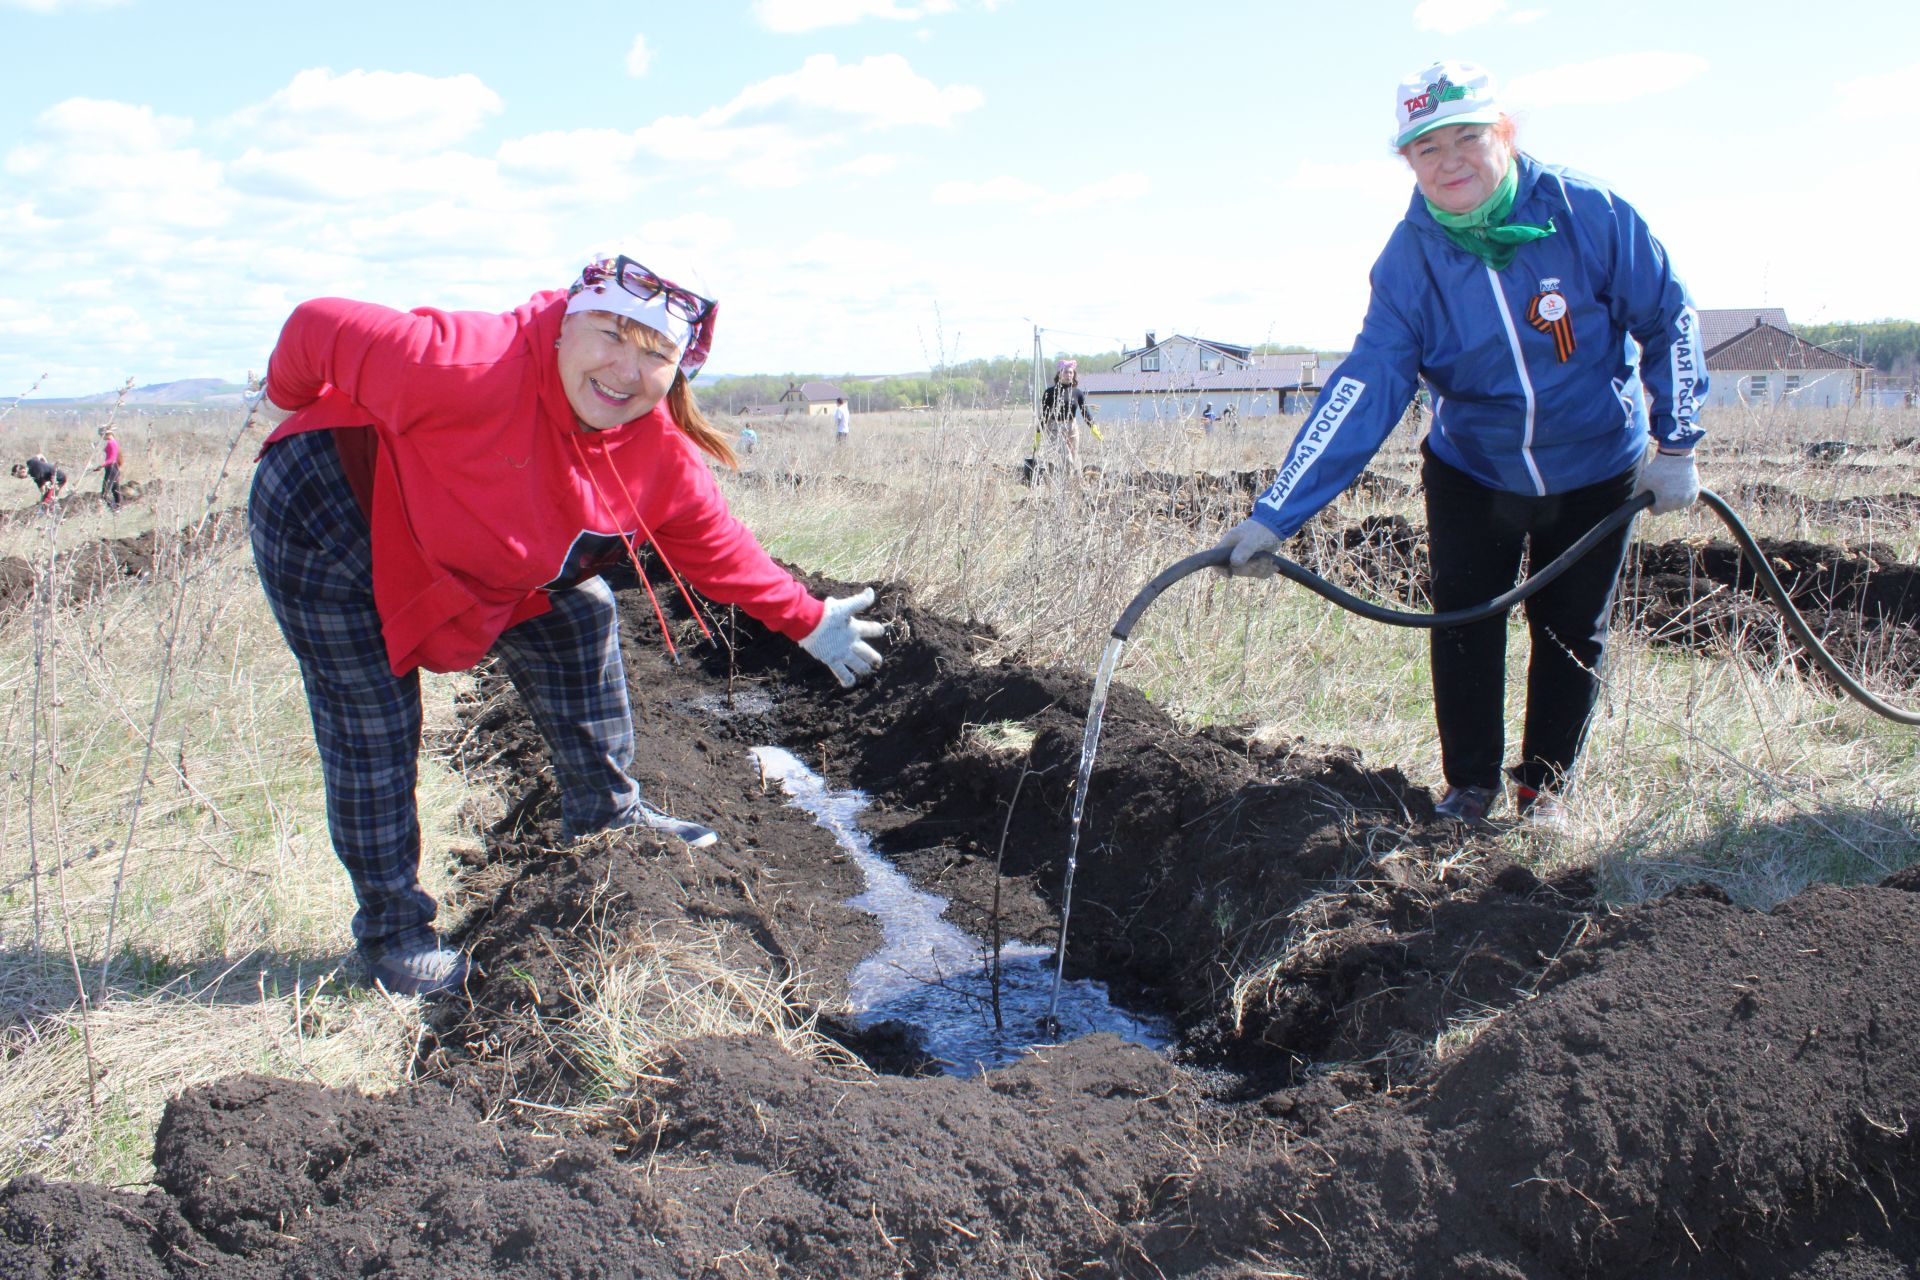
170, 910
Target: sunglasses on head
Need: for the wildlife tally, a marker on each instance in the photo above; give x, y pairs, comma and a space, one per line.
643, 283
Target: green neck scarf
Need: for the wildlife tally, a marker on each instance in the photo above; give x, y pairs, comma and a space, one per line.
1485, 232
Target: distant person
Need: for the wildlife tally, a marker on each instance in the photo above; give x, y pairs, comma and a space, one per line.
748, 439
109, 469
46, 477
840, 420
1060, 405
452, 484
1206, 418
1230, 419
1512, 287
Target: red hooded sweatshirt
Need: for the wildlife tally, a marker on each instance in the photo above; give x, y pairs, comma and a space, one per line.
485, 493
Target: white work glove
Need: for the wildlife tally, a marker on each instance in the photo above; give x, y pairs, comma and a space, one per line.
840, 640
1672, 480
1247, 540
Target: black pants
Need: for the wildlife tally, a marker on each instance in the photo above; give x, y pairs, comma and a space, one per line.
110, 484
1476, 537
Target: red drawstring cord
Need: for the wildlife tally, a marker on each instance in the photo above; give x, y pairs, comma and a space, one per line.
693, 606
633, 556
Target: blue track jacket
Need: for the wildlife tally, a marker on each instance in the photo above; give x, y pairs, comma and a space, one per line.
1536, 387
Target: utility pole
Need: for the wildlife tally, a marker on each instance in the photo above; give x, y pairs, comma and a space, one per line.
1036, 372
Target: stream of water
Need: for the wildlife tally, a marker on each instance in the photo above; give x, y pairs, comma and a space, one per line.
1089, 744
930, 975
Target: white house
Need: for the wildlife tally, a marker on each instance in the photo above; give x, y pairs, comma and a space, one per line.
1181, 354
1176, 378
815, 399
1753, 358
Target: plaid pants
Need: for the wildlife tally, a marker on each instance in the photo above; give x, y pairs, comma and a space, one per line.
314, 553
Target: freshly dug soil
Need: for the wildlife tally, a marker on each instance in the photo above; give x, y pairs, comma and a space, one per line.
1683, 1088
83, 573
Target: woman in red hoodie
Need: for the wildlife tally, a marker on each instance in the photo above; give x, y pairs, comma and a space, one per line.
450, 484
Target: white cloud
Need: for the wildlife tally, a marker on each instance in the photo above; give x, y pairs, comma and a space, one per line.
1524, 17
1620, 77
777, 132
96, 124
1449, 17
55, 6
1374, 183
789, 16
97, 164
882, 90
1001, 190
639, 58
1886, 96
1010, 190
576, 153
870, 165
1122, 186
376, 110
344, 175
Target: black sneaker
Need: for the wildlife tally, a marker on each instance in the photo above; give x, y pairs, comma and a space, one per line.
1466, 805
425, 971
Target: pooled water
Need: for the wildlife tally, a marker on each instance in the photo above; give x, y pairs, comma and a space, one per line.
929, 974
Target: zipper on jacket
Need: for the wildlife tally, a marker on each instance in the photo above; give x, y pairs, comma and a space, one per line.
1526, 383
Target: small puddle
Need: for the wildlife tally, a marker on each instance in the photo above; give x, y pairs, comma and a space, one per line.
929, 974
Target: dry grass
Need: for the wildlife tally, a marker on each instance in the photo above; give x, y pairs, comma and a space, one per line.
646, 988
166, 881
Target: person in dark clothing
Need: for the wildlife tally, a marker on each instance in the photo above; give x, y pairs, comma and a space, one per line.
49, 479
1060, 404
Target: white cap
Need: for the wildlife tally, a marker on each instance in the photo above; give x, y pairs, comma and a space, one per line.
1443, 94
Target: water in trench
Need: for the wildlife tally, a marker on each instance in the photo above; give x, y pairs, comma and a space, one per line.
929, 974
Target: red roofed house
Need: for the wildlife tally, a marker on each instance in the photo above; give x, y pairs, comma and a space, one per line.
1754, 358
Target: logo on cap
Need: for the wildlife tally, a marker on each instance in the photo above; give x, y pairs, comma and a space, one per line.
1440, 91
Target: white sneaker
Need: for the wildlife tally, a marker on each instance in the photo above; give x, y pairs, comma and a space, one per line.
691, 834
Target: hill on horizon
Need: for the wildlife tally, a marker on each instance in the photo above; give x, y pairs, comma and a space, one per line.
182, 391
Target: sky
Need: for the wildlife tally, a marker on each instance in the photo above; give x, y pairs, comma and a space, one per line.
875, 186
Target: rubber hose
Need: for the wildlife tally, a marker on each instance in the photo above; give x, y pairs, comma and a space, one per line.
1749, 547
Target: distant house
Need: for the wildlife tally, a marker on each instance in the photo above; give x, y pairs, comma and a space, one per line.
1730, 322
815, 399
1181, 354
1175, 378
1754, 358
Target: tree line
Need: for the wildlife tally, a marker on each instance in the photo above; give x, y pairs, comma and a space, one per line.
1891, 346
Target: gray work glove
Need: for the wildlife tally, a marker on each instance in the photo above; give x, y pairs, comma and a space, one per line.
840, 640
1247, 540
1672, 480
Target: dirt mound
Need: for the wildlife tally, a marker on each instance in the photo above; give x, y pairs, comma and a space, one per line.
1698, 1090
1686, 1088
84, 572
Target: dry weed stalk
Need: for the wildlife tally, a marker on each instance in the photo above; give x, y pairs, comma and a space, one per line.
22, 396
188, 571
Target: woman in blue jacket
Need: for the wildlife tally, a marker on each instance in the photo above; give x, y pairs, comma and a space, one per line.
1518, 291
